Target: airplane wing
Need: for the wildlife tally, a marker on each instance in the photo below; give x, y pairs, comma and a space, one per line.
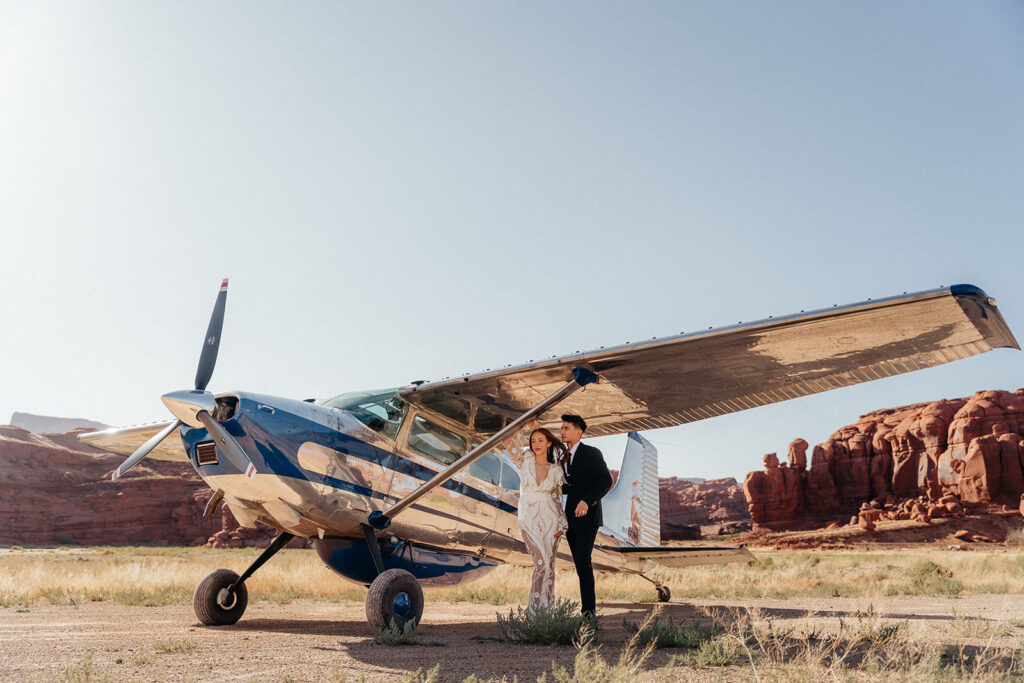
692, 556
126, 439
688, 377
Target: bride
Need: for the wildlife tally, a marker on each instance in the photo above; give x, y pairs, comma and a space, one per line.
541, 518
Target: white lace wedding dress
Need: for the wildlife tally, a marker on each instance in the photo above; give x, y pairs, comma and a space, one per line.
541, 519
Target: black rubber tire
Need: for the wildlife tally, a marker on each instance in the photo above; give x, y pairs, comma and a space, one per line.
664, 594
205, 602
380, 600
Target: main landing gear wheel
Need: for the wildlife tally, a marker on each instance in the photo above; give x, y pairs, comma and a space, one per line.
664, 594
395, 595
215, 605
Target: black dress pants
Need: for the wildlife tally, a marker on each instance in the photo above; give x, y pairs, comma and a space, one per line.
581, 535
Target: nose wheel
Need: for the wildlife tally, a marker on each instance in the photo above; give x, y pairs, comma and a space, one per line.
217, 601
221, 597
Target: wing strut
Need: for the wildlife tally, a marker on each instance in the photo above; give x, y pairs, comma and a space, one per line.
381, 519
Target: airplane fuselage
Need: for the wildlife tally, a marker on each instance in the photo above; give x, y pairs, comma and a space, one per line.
320, 472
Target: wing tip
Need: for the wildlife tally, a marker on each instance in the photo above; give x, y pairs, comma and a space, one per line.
982, 311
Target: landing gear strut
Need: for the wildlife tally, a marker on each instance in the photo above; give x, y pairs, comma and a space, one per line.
220, 598
395, 596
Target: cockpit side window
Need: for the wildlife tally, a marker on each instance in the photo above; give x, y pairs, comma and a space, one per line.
435, 441
381, 411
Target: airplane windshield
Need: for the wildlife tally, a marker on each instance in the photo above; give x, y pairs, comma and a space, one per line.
381, 411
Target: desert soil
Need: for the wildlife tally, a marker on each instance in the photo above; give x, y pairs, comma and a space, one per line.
319, 641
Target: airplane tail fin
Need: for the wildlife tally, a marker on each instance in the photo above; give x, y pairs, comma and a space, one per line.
632, 509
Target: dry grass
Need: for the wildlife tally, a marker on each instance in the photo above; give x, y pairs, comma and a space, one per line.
750, 646
164, 576
864, 648
174, 645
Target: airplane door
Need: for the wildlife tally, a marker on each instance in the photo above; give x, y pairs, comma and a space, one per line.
482, 499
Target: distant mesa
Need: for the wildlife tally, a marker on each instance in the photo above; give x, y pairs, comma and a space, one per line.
44, 424
55, 489
922, 462
693, 508
161, 503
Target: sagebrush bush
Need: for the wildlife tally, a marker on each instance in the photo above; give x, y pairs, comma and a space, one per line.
590, 667
663, 632
396, 635
559, 624
928, 578
174, 645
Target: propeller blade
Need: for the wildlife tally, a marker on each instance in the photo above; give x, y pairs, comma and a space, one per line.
227, 445
143, 450
208, 358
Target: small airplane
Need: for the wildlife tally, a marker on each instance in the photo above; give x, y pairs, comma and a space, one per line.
410, 486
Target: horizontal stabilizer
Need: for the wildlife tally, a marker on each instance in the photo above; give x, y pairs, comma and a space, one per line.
685, 556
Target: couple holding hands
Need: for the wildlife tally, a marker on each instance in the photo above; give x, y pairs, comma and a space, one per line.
551, 467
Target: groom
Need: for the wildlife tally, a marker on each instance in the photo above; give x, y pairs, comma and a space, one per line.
587, 480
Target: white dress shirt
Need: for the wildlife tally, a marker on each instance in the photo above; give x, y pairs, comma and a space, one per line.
572, 453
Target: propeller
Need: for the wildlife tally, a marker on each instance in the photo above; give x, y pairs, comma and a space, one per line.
143, 450
196, 407
208, 357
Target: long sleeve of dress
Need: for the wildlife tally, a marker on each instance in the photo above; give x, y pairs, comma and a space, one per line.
517, 449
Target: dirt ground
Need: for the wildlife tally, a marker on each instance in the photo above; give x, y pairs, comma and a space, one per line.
324, 641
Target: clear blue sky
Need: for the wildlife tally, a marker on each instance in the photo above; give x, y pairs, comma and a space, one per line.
407, 190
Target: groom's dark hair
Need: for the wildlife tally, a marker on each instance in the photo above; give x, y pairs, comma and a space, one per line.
575, 420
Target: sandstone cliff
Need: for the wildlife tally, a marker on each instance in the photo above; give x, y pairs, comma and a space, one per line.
697, 509
694, 508
55, 489
912, 462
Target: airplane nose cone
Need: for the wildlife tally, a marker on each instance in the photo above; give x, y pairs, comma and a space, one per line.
187, 404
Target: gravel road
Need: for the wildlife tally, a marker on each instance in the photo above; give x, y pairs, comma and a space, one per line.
319, 641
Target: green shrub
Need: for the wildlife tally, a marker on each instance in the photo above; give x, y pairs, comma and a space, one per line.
82, 673
397, 635
719, 651
665, 633
928, 578
590, 667
559, 624
173, 645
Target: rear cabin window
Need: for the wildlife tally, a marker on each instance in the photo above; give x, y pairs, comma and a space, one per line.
486, 422
453, 408
435, 441
487, 468
381, 411
509, 477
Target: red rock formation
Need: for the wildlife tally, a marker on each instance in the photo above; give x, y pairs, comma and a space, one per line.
774, 495
968, 451
687, 506
55, 489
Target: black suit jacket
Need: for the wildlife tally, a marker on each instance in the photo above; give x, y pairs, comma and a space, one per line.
588, 480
